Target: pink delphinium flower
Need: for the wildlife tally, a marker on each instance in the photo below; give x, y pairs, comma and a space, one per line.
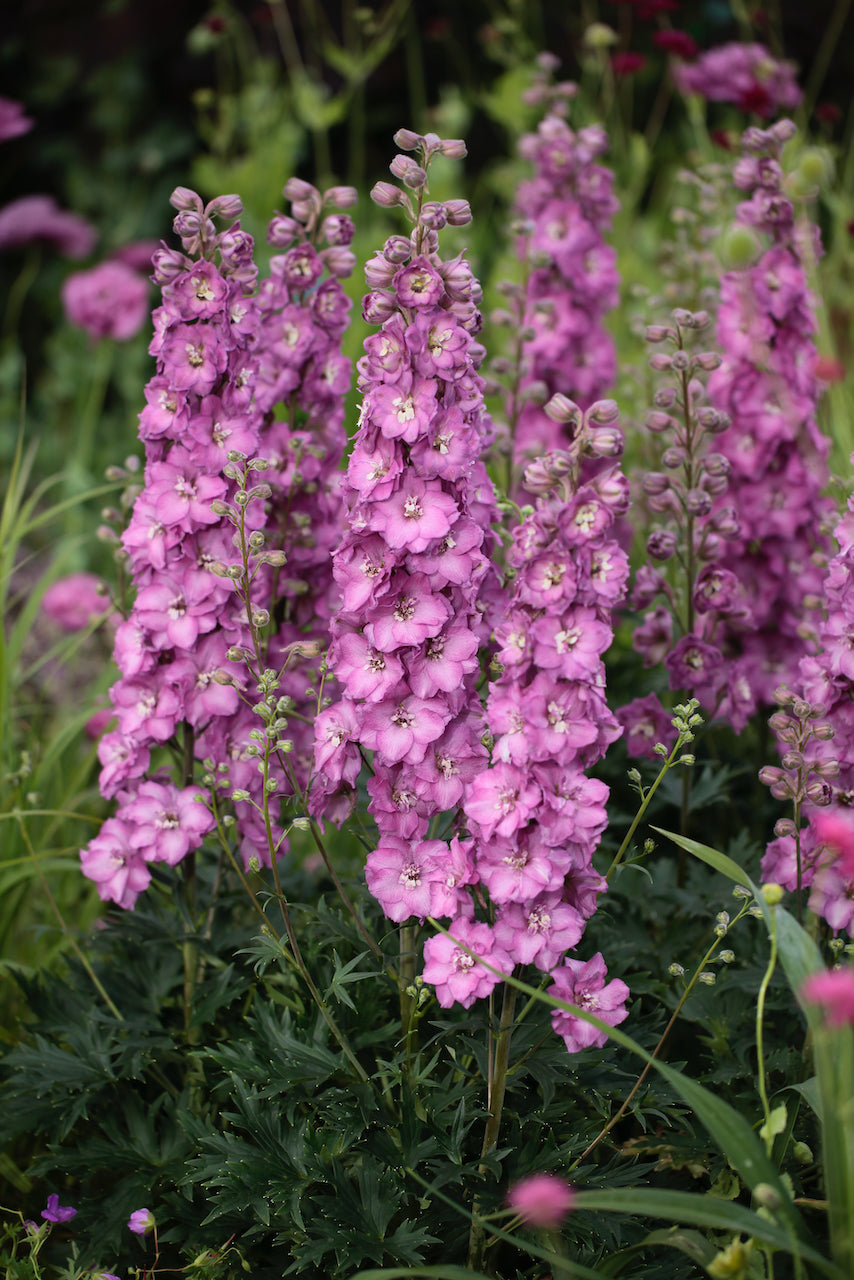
832, 991
75, 601
110, 301
566, 210
174, 541
747, 75
582, 983
542, 1200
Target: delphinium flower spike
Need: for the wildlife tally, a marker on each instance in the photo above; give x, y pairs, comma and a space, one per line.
563, 213
776, 453
174, 643
414, 561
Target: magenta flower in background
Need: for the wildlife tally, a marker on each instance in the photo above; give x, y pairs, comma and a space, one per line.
832, 991
55, 1212
13, 122
745, 74
34, 218
543, 1200
73, 602
110, 301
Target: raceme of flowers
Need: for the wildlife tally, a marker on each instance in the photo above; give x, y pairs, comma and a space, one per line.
418, 598
572, 281
776, 452
196, 516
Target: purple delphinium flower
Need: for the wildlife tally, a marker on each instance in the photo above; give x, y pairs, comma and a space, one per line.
776, 454
747, 75
408, 626
572, 280
55, 1212
583, 984
203, 337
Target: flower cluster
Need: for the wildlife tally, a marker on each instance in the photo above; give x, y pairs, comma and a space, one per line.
818, 761
171, 648
535, 816
745, 74
572, 280
413, 561
299, 391
685, 632
775, 450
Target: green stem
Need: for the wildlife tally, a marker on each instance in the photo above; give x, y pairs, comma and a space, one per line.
645, 802
657, 1050
760, 1014
497, 1087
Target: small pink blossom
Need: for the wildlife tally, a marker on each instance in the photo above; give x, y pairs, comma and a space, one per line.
141, 1222
543, 1200
833, 991
110, 301
74, 602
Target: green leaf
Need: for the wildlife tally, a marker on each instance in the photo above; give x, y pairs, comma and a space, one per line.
438, 1273
712, 857
688, 1242
703, 1211
808, 1089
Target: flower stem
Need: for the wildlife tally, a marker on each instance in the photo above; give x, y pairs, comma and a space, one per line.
497, 1089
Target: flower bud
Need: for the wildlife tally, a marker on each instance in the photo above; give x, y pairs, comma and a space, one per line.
561, 409
772, 894
452, 148
656, 482
341, 197
656, 421
185, 200
661, 544
658, 333
432, 215
390, 197
604, 412
706, 360
674, 457
224, 207
458, 212
698, 502
660, 362
407, 140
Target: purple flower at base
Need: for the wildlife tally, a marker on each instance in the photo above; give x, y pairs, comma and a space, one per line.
543, 1200
55, 1212
832, 991
582, 983
141, 1222
110, 301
